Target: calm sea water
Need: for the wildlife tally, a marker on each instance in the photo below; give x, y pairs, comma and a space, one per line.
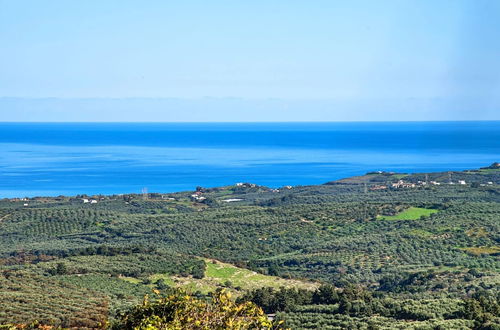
68, 158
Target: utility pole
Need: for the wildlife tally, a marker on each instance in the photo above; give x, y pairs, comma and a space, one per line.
364, 204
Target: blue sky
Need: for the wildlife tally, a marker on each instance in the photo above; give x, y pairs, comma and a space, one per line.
406, 60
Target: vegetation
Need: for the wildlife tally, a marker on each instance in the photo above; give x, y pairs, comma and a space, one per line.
339, 264
412, 213
229, 276
182, 311
352, 307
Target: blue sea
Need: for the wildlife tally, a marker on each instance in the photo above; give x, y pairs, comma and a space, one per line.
48, 159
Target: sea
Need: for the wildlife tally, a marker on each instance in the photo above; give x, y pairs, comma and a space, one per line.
50, 159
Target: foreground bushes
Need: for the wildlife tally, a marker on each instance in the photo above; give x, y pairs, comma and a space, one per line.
182, 311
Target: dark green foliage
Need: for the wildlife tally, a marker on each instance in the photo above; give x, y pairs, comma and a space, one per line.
484, 309
325, 295
272, 300
353, 304
161, 285
60, 269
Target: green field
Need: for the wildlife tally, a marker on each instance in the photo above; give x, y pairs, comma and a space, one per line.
413, 213
219, 273
223, 275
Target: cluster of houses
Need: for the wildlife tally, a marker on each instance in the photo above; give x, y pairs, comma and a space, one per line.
397, 185
402, 184
246, 185
25, 200
253, 185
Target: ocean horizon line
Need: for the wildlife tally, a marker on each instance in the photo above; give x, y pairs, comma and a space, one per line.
250, 122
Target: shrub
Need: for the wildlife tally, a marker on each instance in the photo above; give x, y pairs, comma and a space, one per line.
183, 311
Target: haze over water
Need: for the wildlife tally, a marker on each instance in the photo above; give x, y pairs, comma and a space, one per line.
75, 158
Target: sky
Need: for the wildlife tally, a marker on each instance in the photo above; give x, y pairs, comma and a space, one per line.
121, 60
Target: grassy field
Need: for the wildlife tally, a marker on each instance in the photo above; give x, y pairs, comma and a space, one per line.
489, 170
483, 250
223, 275
399, 176
413, 213
220, 273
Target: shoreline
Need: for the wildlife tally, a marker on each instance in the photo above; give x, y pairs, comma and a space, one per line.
373, 178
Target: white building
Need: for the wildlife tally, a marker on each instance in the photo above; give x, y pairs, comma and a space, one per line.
402, 184
198, 197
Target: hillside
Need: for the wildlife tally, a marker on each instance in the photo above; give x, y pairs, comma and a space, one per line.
421, 241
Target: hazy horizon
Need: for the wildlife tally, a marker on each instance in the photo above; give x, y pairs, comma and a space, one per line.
212, 109
239, 62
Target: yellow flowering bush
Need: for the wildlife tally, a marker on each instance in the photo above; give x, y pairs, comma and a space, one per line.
183, 311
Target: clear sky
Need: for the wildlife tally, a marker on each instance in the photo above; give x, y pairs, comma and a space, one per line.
406, 60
